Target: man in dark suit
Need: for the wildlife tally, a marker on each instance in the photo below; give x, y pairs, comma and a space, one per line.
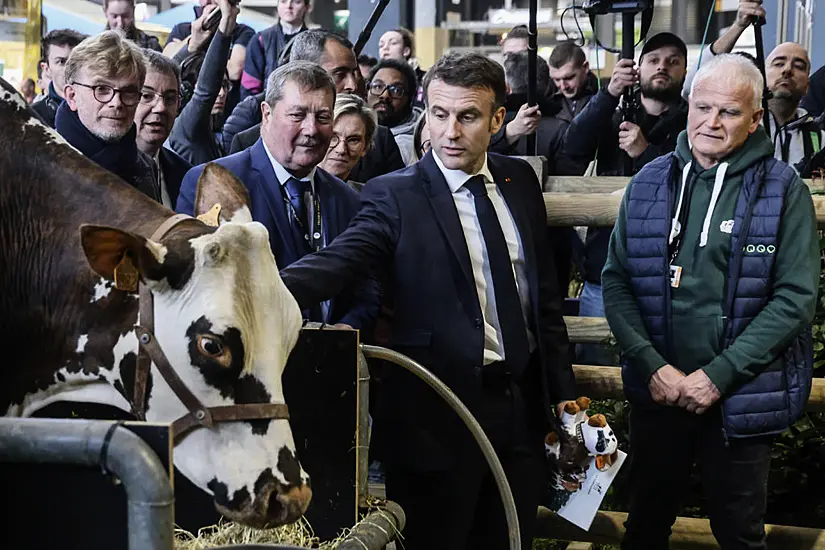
335, 54
461, 238
154, 117
303, 207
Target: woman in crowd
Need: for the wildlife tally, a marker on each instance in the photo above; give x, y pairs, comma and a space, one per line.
353, 127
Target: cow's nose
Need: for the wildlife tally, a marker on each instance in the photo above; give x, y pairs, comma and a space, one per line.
289, 506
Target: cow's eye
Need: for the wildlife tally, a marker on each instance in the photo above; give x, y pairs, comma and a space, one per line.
211, 346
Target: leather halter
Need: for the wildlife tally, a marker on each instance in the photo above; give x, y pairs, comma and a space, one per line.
150, 352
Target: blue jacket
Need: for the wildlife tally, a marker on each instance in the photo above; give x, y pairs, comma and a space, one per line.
408, 231
358, 304
262, 54
771, 401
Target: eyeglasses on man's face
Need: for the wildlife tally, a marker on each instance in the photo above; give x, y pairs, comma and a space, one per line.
396, 90
105, 93
170, 99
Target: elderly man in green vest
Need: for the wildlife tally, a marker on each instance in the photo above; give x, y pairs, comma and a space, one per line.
710, 287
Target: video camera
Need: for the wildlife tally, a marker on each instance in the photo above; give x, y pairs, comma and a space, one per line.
603, 7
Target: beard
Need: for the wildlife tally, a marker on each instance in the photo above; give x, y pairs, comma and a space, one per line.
390, 116
666, 94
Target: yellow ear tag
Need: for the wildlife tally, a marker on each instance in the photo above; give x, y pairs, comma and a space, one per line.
126, 275
212, 217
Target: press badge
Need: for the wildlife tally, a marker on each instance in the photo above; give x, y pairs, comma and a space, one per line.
675, 275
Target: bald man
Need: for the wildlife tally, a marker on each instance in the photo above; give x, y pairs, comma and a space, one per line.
796, 136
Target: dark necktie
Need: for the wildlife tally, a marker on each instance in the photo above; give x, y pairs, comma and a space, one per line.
298, 192
508, 303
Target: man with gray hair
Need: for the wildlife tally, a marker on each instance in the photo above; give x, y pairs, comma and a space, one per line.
154, 117
103, 78
710, 288
302, 206
335, 54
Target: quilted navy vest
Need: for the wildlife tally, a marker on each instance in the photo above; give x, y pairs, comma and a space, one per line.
773, 400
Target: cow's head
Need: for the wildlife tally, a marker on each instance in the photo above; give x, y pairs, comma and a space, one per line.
227, 324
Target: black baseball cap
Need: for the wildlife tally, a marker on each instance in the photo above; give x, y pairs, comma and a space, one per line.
664, 39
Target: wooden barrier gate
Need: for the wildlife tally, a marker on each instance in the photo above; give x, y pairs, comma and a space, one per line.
594, 201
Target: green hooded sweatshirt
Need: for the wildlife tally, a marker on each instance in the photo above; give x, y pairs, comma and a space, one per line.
697, 304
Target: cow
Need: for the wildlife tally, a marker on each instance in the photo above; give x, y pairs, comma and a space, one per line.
222, 315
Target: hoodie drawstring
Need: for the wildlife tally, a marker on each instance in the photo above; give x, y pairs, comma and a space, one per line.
717, 189
675, 226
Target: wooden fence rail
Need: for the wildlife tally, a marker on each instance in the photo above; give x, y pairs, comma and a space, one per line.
608, 184
688, 533
600, 209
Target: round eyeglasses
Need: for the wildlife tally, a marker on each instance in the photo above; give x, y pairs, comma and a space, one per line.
354, 144
105, 93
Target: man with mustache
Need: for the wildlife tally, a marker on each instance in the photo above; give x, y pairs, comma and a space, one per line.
600, 127
391, 88
104, 76
154, 117
302, 206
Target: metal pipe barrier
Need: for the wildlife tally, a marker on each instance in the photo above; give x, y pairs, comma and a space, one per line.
150, 500
377, 352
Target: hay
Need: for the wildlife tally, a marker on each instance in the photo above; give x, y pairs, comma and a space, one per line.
227, 533
298, 534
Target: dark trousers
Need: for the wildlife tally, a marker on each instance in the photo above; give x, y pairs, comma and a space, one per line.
664, 444
460, 508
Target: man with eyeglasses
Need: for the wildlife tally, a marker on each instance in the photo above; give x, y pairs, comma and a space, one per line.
155, 115
104, 76
391, 89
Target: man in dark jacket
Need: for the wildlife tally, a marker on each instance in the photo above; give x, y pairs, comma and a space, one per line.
266, 47
572, 80
120, 16
302, 206
190, 37
710, 288
550, 131
334, 53
154, 117
104, 77
600, 127
194, 135
56, 47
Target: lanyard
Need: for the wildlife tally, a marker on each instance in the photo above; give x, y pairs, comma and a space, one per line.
313, 234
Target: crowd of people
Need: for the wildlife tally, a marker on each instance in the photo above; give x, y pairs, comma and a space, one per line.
394, 206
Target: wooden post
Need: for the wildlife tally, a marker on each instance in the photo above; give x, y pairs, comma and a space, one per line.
688, 533
588, 330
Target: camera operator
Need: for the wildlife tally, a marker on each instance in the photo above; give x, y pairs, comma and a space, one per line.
600, 133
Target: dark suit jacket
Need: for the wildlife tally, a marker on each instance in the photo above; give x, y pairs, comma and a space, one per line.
408, 232
174, 168
383, 158
357, 305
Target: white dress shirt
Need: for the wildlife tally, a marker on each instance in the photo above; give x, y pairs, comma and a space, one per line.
283, 176
482, 274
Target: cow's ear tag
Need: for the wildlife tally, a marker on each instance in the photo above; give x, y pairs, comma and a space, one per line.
126, 275
212, 217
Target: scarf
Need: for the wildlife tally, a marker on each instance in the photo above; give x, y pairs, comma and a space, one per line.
121, 157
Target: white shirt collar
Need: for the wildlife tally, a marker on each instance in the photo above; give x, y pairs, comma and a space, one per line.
283, 174
457, 178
